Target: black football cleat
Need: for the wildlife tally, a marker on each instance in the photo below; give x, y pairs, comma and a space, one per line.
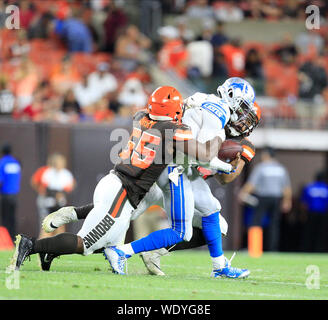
46, 260
24, 247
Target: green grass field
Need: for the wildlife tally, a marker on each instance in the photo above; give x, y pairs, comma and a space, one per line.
273, 276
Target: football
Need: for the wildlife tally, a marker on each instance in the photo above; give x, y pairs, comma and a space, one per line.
229, 150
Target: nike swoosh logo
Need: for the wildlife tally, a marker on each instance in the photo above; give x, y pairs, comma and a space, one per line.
53, 226
46, 258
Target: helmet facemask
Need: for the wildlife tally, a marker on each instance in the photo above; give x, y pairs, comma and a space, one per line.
243, 119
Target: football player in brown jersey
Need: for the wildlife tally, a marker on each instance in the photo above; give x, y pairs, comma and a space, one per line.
156, 136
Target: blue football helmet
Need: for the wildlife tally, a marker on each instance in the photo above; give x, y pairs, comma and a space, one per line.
240, 96
236, 87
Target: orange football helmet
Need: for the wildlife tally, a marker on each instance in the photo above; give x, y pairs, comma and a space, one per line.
257, 112
165, 103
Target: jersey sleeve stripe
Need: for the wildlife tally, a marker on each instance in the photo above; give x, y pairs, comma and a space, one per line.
221, 116
183, 131
248, 149
248, 154
182, 135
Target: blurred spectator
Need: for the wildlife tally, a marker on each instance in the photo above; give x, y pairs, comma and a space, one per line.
219, 66
10, 178
64, 76
70, 107
287, 51
253, 65
219, 37
74, 32
53, 183
185, 32
41, 26
200, 9
131, 47
204, 49
312, 78
26, 81
96, 22
252, 9
131, 97
173, 54
26, 13
207, 30
229, 12
43, 101
102, 112
263, 9
7, 99
20, 48
33, 111
314, 201
234, 57
114, 22
173, 6
97, 5
270, 183
102, 81
86, 17
141, 74
291, 9
86, 95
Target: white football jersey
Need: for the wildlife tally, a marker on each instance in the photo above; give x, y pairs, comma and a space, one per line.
207, 116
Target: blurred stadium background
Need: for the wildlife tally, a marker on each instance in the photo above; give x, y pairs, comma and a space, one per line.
52, 100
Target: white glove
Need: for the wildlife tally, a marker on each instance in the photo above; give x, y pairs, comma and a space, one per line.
220, 165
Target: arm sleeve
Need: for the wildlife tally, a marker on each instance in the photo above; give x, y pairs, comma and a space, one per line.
182, 133
248, 150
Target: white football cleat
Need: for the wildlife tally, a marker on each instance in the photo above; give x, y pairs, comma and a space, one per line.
117, 260
152, 261
58, 218
230, 272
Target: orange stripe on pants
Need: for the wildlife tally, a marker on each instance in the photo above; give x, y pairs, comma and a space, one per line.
118, 204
